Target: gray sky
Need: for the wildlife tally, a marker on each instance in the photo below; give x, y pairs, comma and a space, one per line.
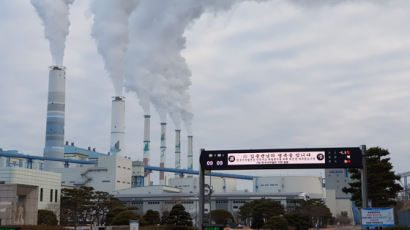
264, 75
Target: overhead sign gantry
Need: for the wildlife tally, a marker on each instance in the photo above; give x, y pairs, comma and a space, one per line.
298, 158
312, 158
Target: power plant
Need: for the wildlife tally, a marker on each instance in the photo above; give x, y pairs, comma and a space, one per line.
70, 166
65, 165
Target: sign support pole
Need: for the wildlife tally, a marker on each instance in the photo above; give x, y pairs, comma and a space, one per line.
365, 202
201, 195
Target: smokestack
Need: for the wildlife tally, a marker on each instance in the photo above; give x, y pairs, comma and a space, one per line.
190, 154
118, 126
163, 149
177, 149
147, 178
54, 146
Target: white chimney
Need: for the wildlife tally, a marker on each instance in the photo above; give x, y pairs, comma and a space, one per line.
177, 149
147, 178
54, 145
190, 154
163, 151
118, 126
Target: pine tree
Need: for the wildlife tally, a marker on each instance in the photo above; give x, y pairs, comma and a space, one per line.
381, 180
178, 216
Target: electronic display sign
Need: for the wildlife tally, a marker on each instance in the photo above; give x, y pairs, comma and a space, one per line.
348, 157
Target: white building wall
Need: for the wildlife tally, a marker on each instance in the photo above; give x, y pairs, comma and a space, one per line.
112, 173
191, 184
153, 189
289, 184
46, 181
337, 179
336, 199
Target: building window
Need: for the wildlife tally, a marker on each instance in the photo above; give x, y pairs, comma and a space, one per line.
51, 195
20, 163
55, 196
41, 194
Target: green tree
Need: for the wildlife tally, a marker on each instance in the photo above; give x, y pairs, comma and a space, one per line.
46, 217
316, 210
381, 180
276, 223
221, 216
245, 212
259, 211
152, 217
178, 216
103, 202
84, 205
299, 221
75, 205
123, 218
114, 212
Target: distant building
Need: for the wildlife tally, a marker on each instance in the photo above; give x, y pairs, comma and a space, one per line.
228, 201
338, 202
76, 153
100, 171
310, 185
110, 174
191, 184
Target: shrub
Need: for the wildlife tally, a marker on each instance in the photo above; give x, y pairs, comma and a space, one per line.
46, 217
221, 216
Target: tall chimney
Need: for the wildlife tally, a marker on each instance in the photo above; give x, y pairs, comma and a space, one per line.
177, 149
147, 178
163, 149
190, 154
118, 126
54, 145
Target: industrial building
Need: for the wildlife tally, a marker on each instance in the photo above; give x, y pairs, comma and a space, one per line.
64, 164
228, 201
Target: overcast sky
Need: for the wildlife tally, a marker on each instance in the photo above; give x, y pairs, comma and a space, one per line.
274, 74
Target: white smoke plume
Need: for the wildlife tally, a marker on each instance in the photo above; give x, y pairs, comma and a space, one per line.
54, 14
110, 31
156, 70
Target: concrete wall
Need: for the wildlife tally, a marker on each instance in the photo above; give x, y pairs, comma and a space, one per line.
337, 206
18, 204
48, 184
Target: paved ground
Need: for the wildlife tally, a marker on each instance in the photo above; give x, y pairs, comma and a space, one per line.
339, 228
